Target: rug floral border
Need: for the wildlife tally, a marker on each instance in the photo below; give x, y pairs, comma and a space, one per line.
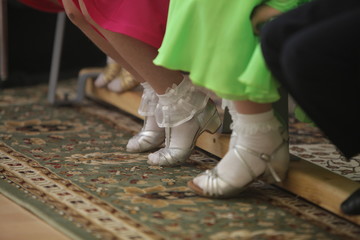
82, 208
106, 222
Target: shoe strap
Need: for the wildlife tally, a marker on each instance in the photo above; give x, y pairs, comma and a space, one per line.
263, 156
238, 155
213, 189
167, 136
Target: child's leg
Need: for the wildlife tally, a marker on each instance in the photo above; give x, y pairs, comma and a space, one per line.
259, 148
185, 112
77, 18
137, 54
192, 116
151, 133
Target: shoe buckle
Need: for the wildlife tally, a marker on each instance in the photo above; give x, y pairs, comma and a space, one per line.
265, 157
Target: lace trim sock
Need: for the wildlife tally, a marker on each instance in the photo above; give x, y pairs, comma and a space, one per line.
151, 135
148, 102
177, 112
179, 104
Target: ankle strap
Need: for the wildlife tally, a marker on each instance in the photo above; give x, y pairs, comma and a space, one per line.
263, 156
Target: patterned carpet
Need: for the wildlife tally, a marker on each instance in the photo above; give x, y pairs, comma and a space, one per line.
68, 165
307, 142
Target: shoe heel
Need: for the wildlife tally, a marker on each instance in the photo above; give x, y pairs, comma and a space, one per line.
214, 123
269, 178
280, 165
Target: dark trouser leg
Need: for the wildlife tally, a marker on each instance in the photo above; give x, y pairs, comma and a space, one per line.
314, 52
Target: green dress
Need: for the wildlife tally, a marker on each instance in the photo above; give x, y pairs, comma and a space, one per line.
213, 40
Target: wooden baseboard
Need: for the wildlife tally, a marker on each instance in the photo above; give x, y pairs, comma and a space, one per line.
309, 181
320, 186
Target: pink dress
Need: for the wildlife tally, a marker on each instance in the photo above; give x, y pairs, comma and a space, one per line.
144, 20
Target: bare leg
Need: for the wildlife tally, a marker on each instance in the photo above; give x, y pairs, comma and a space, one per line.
78, 19
140, 56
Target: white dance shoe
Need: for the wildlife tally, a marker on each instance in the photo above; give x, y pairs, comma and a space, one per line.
244, 165
151, 135
146, 140
185, 112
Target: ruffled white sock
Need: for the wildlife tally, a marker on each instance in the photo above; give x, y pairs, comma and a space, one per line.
151, 135
147, 108
176, 111
181, 103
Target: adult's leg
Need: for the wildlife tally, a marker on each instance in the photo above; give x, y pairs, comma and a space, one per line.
276, 33
321, 67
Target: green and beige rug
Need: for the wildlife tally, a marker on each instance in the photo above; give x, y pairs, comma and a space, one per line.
69, 166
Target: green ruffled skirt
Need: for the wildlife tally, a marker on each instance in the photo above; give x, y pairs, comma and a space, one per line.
213, 40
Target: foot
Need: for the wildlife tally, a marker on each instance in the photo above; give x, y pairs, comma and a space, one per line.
260, 154
180, 140
149, 138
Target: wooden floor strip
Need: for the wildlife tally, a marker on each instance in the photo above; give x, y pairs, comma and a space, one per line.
16, 223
